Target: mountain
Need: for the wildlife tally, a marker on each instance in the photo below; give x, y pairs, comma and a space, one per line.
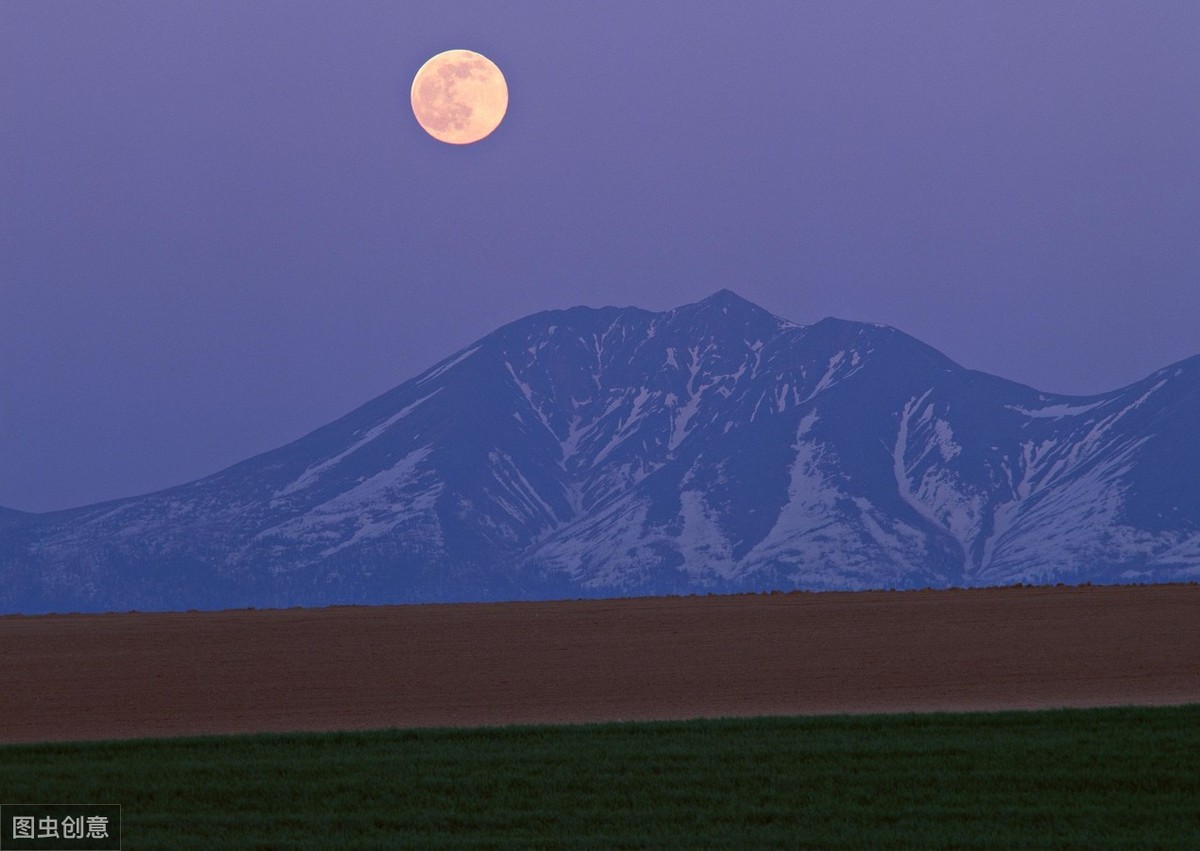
616, 451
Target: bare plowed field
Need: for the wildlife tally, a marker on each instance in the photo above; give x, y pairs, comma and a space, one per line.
133, 675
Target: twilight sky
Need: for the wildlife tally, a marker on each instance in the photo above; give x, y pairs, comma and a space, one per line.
221, 227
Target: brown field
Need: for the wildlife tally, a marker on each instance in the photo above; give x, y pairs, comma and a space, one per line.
133, 675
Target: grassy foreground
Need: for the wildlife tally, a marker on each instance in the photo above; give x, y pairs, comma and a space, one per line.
1068, 778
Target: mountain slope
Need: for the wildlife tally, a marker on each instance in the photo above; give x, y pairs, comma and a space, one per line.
619, 451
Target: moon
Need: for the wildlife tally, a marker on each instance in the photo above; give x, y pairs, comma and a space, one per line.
459, 97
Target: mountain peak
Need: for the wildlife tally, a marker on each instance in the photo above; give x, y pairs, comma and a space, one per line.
725, 297
725, 302
727, 309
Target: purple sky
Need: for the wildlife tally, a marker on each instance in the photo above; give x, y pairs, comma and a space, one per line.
220, 226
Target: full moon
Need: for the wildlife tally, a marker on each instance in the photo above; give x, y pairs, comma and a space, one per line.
459, 97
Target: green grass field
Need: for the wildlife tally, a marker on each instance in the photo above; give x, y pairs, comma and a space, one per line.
1068, 778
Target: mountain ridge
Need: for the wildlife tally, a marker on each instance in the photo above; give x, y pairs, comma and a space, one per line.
611, 451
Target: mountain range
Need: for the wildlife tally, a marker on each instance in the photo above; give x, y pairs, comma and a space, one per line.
617, 451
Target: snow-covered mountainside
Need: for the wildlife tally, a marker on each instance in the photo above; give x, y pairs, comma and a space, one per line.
607, 452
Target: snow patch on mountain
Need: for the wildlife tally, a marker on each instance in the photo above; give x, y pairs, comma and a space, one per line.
706, 551
1055, 412
312, 473
371, 508
445, 367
